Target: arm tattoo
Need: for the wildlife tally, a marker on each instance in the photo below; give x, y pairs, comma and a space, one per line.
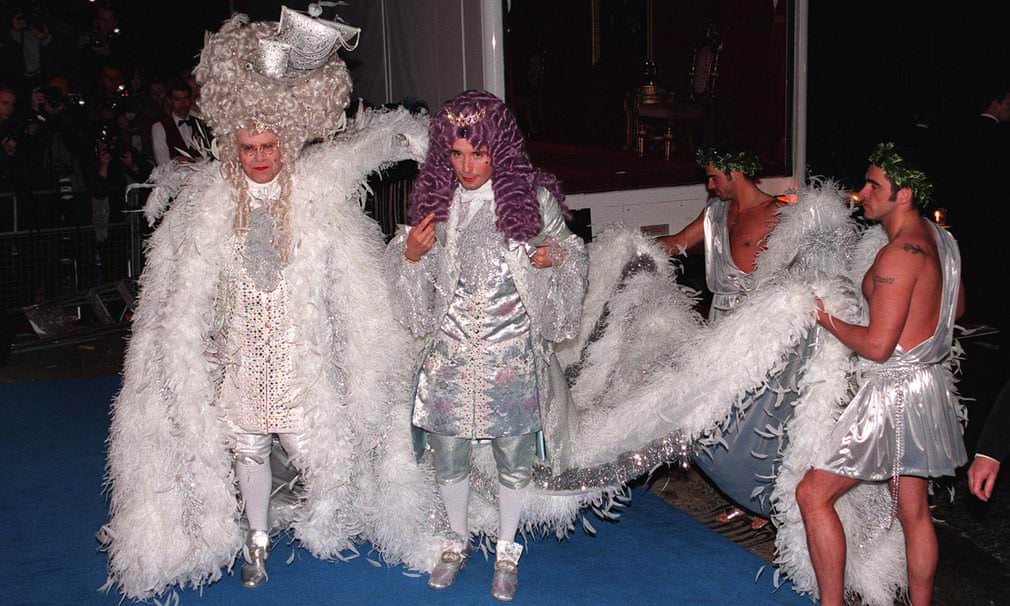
915, 249
883, 280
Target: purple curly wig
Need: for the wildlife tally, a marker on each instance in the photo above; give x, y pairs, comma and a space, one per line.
513, 179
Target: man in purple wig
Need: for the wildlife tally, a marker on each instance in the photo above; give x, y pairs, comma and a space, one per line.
491, 278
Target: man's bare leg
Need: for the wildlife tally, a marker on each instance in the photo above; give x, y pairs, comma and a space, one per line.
816, 495
920, 538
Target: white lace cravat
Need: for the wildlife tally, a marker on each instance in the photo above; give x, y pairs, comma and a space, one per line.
471, 200
264, 193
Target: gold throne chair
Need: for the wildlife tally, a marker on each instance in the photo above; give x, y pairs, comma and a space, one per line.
656, 115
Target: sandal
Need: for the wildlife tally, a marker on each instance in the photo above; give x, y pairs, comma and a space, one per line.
730, 515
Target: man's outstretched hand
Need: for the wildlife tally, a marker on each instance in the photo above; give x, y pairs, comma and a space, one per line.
420, 239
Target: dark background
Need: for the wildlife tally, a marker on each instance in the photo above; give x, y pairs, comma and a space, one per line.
875, 66
582, 103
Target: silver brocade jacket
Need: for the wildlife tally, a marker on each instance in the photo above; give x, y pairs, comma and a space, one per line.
552, 297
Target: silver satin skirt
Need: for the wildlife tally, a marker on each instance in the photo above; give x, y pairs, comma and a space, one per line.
904, 421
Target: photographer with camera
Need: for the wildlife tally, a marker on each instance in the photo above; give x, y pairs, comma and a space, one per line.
8, 137
119, 162
59, 154
104, 44
28, 37
118, 165
109, 87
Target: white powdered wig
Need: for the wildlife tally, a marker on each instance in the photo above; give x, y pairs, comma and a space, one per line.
234, 96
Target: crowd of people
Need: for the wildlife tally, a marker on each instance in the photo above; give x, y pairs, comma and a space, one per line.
263, 327
81, 118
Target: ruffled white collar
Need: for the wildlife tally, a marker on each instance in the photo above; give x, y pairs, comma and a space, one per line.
473, 200
264, 192
483, 193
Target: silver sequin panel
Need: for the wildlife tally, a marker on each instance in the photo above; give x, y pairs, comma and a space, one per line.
256, 392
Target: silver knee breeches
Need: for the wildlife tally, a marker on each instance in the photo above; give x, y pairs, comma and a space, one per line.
513, 457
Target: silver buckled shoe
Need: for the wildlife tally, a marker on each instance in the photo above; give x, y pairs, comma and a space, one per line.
506, 570
453, 559
256, 552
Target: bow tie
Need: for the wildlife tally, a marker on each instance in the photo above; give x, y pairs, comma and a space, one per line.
190, 121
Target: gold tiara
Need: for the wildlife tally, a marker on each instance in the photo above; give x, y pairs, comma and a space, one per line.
461, 120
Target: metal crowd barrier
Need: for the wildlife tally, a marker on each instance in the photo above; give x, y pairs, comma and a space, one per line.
73, 278
390, 193
52, 246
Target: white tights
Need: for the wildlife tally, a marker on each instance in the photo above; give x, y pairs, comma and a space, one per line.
456, 496
255, 481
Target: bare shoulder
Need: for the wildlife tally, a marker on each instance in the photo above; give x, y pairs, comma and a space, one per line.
694, 232
903, 256
773, 209
917, 247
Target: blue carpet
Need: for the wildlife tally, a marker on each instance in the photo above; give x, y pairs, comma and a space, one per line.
53, 444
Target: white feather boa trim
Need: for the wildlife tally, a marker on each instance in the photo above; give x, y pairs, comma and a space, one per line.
658, 369
173, 514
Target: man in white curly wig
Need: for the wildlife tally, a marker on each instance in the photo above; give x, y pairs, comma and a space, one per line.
261, 309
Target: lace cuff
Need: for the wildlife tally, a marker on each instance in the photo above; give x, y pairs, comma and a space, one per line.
412, 284
556, 292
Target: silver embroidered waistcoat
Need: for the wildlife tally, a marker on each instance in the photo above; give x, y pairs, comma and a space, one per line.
552, 299
256, 331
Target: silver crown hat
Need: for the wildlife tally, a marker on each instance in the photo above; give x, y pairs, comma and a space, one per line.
302, 43
248, 77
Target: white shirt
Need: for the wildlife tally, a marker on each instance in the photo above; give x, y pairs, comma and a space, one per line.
159, 143
263, 193
473, 199
31, 49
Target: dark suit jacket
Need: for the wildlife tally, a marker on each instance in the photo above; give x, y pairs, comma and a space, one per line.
979, 210
995, 439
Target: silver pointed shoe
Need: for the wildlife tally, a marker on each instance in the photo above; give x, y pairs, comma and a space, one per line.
505, 581
256, 552
454, 557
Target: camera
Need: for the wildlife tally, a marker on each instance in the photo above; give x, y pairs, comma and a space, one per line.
53, 94
37, 20
33, 16
32, 125
99, 40
76, 99
107, 137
